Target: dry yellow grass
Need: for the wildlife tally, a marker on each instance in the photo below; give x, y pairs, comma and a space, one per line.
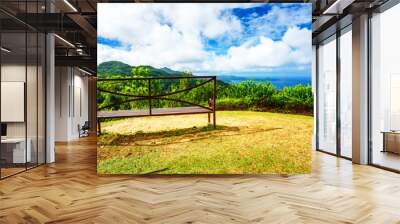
244, 142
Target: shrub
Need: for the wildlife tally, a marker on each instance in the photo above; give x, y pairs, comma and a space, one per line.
237, 96
232, 104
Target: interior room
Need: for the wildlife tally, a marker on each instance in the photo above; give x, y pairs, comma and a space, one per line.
22, 100
385, 88
335, 98
71, 112
49, 128
43, 100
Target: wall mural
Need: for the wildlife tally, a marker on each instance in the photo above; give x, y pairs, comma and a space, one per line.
191, 88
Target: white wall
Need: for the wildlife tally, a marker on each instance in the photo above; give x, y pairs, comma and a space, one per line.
71, 102
33, 126
16, 73
80, 109
9, 73
62, 82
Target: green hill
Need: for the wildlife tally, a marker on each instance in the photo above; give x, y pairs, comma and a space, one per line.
113, 68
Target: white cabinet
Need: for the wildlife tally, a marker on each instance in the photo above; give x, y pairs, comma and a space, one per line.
19, 155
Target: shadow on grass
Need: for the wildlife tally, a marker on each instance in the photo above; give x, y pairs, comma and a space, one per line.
175, 136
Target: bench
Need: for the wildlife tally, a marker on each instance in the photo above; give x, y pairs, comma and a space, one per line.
192, 109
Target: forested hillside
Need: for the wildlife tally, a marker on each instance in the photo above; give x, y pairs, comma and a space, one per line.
112, 68
245, 95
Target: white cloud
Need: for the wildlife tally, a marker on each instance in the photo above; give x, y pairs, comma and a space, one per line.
294, 48
279, 17
141, 24
300, 42
152, 35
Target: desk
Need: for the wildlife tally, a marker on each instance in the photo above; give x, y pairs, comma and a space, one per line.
13, 150
391, 141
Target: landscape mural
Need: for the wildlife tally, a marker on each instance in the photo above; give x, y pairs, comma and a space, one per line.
204, 89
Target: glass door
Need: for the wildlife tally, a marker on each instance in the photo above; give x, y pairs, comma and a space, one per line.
327, 96
14, 153
346, 92
385, 89
22, 95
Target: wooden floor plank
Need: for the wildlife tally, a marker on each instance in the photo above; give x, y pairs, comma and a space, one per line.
70, 191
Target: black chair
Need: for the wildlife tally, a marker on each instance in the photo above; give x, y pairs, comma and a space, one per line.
84, 130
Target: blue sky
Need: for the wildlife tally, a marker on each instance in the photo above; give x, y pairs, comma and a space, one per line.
233, 39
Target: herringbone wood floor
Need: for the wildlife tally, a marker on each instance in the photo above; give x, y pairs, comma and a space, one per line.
69, 191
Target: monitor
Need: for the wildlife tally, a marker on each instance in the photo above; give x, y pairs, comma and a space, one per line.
3, 129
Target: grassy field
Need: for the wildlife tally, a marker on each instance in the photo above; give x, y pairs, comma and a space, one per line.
244, 142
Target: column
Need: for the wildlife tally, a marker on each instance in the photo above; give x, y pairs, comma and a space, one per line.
360, 90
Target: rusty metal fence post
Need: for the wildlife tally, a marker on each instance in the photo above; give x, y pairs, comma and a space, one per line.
214, 97
150, 112
98, 126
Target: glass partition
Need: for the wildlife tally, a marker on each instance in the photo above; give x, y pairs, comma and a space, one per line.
346, 93
41, 97
385, 89
22, 101
32, 97
14, 153
327, 96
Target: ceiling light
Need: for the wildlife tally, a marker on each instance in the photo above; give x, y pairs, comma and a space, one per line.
5, 50
64, 40
79, 51
70, 5
337, 7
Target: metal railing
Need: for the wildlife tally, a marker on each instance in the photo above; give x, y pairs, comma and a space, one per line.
150, 96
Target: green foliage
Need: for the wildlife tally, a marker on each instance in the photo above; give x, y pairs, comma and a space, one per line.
117, 68
246, 95
233, 103
140, 71
264, 96
113, 68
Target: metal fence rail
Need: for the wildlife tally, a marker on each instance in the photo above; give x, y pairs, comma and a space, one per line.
194, 108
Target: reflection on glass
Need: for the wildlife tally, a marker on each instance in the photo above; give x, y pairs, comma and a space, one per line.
327, 97
22, 107
385, 114
31, 97
14, 150
394, 102
41, 98
346, 94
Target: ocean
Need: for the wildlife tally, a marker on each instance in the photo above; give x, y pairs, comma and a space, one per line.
279, 82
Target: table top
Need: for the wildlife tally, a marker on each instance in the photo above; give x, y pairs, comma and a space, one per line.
391, 132
12, 140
